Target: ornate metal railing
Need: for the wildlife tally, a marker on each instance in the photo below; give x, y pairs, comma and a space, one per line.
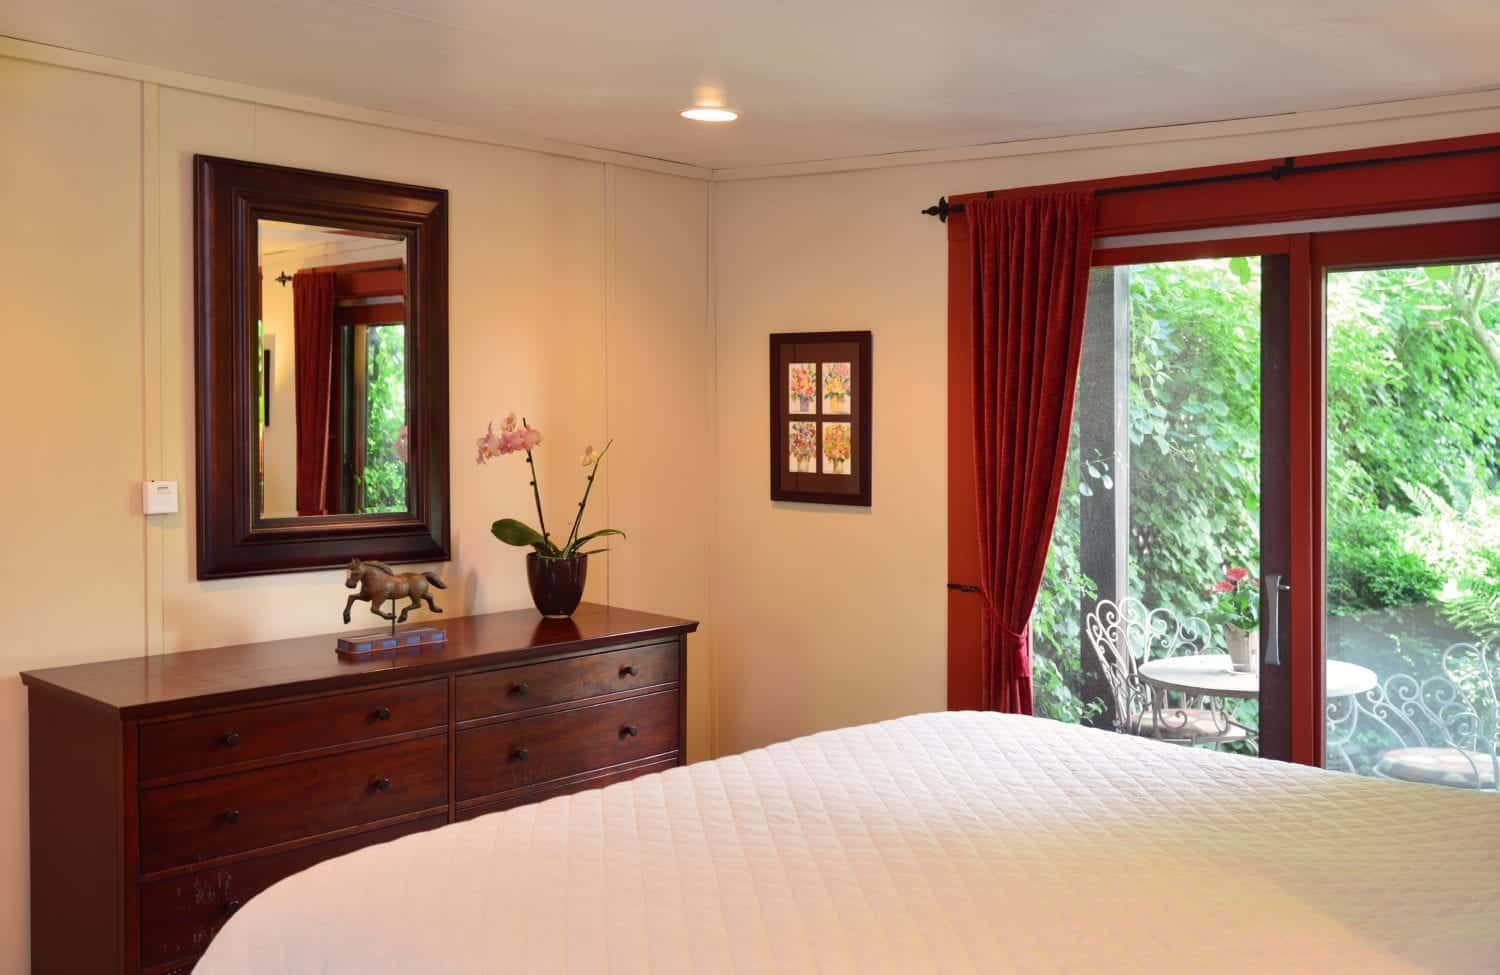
1456, 711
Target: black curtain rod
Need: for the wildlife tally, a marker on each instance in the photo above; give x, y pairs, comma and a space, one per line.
1289, 166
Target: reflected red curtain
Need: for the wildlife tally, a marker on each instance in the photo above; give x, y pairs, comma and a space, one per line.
317, 442
1030, 257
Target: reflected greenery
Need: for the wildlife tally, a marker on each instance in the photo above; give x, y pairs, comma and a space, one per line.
384, 478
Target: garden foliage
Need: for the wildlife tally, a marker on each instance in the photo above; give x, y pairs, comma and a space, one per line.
1413, 380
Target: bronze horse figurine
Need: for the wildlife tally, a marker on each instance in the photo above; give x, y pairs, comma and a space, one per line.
378, 584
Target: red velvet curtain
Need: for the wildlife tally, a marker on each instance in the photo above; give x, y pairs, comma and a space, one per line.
1030, 259
318, 473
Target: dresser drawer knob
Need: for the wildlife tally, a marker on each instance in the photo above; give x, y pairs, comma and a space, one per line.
231, 739
232, 816
629, 731
628, 670
383, 784
383, 714
521, 689
520, 754
233, 906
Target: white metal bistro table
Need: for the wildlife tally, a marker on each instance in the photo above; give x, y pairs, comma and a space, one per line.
1212, 676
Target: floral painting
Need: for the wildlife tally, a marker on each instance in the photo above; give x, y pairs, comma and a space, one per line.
802, 447
802, 387
837, 447
821, 413
836, 387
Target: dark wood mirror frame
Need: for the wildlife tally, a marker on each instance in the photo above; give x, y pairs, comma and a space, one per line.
230, 197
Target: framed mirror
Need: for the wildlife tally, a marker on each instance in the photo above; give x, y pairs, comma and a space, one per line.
322, 369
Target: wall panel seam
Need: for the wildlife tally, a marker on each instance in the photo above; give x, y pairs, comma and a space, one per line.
152, 413
607, 333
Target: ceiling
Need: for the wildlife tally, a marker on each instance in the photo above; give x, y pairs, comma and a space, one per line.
814, 79
278, 236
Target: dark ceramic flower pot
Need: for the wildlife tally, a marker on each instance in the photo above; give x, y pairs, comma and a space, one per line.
556, 584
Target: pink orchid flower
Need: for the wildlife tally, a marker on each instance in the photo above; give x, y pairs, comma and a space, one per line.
488, 445
589, 457
513, 438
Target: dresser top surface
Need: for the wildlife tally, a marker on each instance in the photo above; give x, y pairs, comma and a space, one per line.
149, 685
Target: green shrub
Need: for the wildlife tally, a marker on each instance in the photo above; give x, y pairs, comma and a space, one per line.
1369, 566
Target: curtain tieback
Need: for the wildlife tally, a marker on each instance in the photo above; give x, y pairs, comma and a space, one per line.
992, 611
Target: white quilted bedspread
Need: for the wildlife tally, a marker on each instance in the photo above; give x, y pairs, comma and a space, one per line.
957, 842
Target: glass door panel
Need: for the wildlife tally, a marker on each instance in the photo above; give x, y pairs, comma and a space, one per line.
1157, 549
1413, 521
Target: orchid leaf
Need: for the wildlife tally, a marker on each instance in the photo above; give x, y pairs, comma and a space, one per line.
518, 533
578, 543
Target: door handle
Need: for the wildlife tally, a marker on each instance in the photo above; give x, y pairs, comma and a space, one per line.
1271, 588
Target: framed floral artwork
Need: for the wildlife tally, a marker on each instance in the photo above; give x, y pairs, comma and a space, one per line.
820, 417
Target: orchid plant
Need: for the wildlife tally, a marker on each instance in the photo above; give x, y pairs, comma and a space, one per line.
521, 437
1236, 600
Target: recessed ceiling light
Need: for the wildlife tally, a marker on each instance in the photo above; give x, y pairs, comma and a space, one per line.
704, 113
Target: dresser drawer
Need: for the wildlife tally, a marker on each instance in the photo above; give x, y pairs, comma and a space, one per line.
213, 817
515, 754
567, 787
207, 742
554, 682
181, 915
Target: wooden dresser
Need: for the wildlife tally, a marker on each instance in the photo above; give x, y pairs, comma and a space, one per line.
168, 790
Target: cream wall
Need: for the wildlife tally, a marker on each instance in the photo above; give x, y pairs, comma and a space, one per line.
828, 616
71, 394
566, 274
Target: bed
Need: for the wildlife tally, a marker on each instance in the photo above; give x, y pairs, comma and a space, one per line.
956, 842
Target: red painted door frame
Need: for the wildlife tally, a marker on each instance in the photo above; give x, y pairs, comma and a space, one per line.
1387, 179
964, 608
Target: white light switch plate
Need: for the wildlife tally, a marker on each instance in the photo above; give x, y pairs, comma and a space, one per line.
159, 497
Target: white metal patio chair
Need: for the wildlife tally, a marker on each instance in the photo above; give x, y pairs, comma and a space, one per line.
1126, 635
1442, 730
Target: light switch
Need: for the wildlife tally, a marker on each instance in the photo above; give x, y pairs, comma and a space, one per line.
159, 497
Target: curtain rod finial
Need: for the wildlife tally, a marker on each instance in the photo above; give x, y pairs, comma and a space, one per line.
942, 208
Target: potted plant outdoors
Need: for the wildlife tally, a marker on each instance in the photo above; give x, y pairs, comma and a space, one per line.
555, 573
1236, 608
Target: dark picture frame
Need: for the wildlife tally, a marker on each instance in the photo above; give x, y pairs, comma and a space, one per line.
821, 408
230, 198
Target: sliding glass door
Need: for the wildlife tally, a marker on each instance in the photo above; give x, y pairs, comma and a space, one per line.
1296, 438
1411, 324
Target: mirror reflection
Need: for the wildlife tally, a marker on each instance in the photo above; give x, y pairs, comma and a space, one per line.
332, 434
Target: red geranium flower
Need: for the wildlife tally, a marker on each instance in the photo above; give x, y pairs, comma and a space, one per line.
1222, 586
1237, 574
